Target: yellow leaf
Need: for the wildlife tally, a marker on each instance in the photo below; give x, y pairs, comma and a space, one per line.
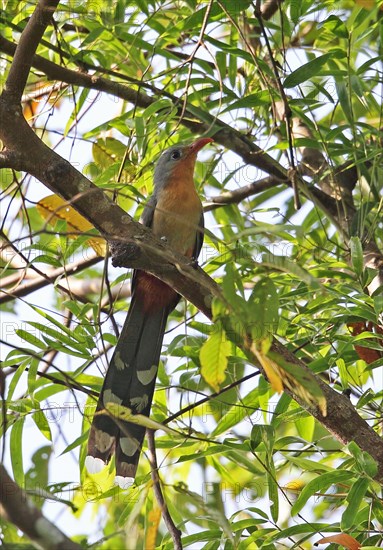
366, 4
272, 371
213, 356
53, 208
295, 485
282, 374
152, 530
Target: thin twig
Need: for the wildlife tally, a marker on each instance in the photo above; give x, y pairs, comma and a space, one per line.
175, 533
46, 278
238, 195
287, 110
214, 395
67, 381
223, 133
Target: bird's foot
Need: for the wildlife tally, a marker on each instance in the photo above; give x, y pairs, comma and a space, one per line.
194, 263
123, 253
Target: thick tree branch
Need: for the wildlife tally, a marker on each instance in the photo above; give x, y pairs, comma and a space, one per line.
115, 224
20, 510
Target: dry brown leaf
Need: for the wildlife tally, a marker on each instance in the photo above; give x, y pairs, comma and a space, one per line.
345, 540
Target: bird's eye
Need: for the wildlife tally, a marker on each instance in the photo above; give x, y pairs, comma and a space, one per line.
175, 155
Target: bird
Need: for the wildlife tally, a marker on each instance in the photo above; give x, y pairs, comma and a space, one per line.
174, 213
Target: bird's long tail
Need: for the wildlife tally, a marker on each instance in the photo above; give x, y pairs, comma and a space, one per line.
130, 380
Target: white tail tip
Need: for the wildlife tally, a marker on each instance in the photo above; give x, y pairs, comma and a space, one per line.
94, 465
124, 482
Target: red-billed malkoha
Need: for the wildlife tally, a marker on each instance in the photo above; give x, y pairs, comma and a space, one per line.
174, 212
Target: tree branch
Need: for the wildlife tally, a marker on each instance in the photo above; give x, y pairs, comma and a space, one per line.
43, 279
269, 7
223, 134
207, 398
29, 40
20, 510
175, 533
238, 195
152, 255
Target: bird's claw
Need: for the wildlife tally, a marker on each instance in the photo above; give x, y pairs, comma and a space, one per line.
194, 263
123, 253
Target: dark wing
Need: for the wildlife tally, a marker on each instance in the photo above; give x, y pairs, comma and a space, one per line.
148, 213
147, 220
199, 237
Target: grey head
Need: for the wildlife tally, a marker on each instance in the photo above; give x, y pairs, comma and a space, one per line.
175, 157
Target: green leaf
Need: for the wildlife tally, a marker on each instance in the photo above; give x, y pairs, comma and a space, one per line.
344, 99
16, 451
211, 450
319, 485
343, 373
265, 297
42, 424
23, 363
37, 475
262, 433
356, 255
240, 410
83, 438
235, 8
160, 105
305, 424
201, 536
213, 357
354, 498
31, 338
265, 434
336, 26
251, 101
213, 496
364, 461
306, 71
273, 490
221, 61
283, 263
305, 527
61, 336
92, 36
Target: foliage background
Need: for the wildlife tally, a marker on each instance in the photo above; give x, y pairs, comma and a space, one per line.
249, 468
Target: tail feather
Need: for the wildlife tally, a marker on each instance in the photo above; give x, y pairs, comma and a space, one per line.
130, 381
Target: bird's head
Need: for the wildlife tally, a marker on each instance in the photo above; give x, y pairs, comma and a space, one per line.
178, 160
